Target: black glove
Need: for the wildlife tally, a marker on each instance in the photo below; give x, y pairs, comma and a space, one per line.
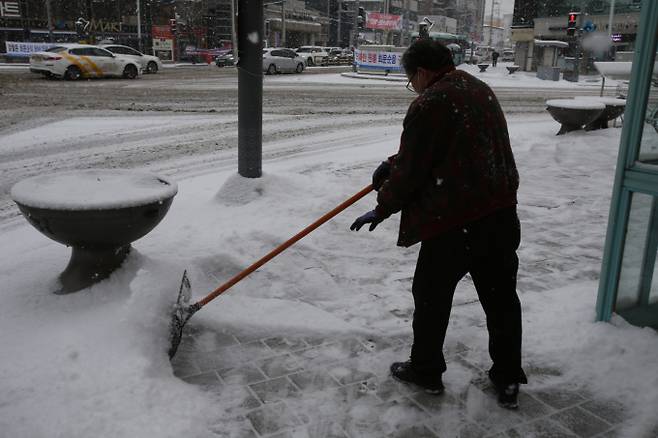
369, 218
380, 175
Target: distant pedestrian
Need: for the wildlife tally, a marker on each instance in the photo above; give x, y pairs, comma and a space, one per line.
494, 58
455, 181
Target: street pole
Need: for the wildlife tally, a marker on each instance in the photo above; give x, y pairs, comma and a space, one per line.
234, 42
404, 35
356, 25
139, 26
328, 22
283, 24
612, 15
491, 22
340, 14
250, 88
50, 21
386, 32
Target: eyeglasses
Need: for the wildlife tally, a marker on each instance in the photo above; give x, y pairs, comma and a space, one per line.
410, 86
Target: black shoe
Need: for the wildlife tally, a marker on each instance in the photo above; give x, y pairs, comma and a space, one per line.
508, 394
404, 372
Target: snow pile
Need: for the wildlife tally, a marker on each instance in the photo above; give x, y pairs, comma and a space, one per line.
93, 363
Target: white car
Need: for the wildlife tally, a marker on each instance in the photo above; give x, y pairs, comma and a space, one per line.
313, 55
75, 61
148, 63
282, 60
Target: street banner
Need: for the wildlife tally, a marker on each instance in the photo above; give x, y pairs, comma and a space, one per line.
376, 20
162, 32
377, 60
25, 49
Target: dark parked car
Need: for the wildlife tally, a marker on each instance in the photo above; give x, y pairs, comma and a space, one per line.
225, 60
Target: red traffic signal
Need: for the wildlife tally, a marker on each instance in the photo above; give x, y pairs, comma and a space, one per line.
572, 24
572, 20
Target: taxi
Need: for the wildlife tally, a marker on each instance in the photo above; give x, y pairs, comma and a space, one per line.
76, 61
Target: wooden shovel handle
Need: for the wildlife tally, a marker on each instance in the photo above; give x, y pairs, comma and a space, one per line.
278, 250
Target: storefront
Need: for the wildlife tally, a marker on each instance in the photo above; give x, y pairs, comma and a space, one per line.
629, 281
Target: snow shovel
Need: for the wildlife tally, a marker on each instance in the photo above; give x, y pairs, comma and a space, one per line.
183, 312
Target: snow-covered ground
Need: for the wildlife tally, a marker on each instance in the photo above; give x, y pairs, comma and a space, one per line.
95, 363
497, 77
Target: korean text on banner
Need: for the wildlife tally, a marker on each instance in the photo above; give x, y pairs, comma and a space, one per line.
25, 49
375, 20
378, 60
162, 32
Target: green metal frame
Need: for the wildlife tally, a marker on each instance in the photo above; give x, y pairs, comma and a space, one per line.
629, 176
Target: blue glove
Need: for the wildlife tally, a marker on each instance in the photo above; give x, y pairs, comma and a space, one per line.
369, 218
380, 175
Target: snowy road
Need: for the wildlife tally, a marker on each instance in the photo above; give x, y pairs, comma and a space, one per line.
184, 121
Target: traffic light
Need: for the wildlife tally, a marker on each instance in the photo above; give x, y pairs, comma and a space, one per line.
172, 25
361, 18
572, 24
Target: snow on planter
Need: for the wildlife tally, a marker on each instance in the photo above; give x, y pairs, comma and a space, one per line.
582, 104
93, 189
606, 100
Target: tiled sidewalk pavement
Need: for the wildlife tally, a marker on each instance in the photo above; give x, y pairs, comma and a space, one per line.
340, 387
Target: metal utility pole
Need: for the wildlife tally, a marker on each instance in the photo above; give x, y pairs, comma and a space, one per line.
234, 42
356, 25
283, 24
328, 41
405, 37
340, 14
50, 21
491, 22
612, 15
250, 88
386, 32
138, 12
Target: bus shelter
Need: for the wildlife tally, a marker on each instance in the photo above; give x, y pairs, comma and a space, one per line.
629, 281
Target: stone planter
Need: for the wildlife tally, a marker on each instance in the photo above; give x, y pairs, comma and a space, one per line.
98, 213
614, 108
573, 114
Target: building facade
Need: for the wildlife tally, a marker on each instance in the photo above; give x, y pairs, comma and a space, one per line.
468, 13
341, 17
539, 20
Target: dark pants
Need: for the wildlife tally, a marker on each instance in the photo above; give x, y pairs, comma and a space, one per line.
494, 61
486, 249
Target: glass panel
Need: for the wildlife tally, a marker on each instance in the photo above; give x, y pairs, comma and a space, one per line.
649, 145
637, 295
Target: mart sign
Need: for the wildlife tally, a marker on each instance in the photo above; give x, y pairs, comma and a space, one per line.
9, 9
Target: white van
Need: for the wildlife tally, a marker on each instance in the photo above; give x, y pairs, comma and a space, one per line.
313, 55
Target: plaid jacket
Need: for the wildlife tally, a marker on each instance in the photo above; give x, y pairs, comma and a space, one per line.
454, 165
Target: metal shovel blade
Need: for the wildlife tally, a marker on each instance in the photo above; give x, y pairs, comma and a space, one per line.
181, 313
